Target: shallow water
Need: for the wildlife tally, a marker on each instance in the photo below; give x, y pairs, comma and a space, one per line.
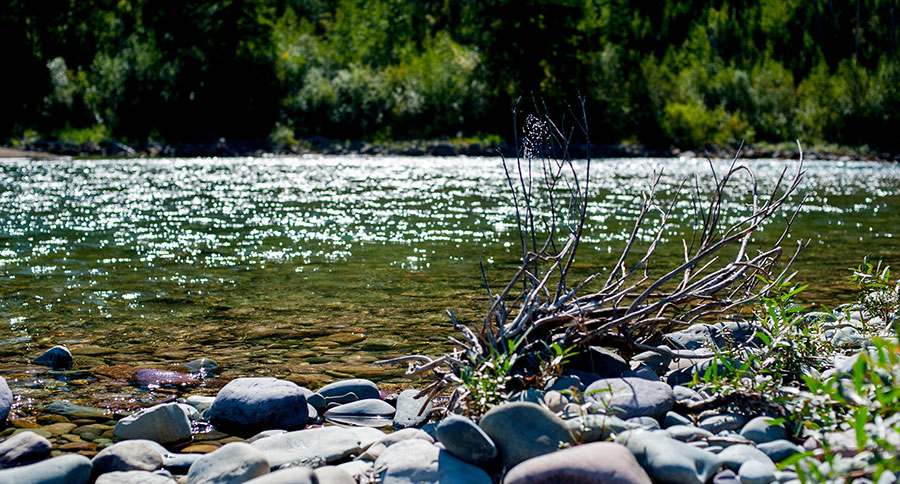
314, 267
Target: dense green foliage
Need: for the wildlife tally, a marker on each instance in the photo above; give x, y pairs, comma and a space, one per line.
679, 73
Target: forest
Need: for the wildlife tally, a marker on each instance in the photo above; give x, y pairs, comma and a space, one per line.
666, 73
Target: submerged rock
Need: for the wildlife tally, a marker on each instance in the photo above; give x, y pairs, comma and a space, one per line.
247, 405
57, 357
152, 377
74, 411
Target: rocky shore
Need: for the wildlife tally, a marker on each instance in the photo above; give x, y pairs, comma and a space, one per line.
604, 420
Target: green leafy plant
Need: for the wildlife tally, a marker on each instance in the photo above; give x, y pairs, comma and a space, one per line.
876, 295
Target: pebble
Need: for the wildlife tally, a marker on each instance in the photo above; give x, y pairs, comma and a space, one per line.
23, 448
247, 405
466, 440
595, 463
631, 397
668, 460
759, 430
414, 461
166, 424
756, 472
65, 469
232, 464
291, 475
517, 441
6, 399
310, 447
58, 357
370, 412
129, 455
346, 391
133, 477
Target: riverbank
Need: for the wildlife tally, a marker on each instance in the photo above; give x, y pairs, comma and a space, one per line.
325, 146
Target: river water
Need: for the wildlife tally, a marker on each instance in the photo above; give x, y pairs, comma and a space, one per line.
314, 267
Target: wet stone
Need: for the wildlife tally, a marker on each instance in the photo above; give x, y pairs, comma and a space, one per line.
73, 411
78, 446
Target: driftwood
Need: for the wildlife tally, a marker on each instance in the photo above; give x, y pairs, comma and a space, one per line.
628, 307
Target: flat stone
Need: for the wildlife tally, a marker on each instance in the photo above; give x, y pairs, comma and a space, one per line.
367, 435
369, 412
673, 418
60, 428
129, 455
668, 460
247, 405
779, 450
57, 357
466, 440
759, 430
544, 432
133, 477
23, 448
166, 424
201, 403
291, 475
756, 472
234, 463
686, 433
595, 463
358, 469
74, 411
414, 461
410, 411
65, 469
201, 448
340, 391
630, 397
736, 455
311, 447
725, 421
79, 446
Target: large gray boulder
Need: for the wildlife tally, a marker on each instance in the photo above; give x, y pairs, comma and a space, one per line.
233, 463
630, 397
65, 469
166, 424
595, 463
248, 405
23, 448
413, 461
522, 430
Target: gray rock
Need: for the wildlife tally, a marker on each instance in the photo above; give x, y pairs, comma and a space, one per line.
133, 477
641, 371
233, 463
684, 393
736, 455
65, 469
57, 357
374, 450
333, 475
414, 461
311, 447
247, 405
315, 400
466, 440
23, 448
166, 424
630, 397
648, 423
596, 463
726, 477
756, 472
71, 410
779, 450
667, 460
204, 366
594, 427
785, 476
686, 433
338, 391
692, 338
673, 418
357, 469
410, 412
600, 361
657, 362
517, 442
291, 475
725, 421
201, 403
529, 395
179, 463
367, 435
370, 412
565, 383
759, 430
6, 399
129, 455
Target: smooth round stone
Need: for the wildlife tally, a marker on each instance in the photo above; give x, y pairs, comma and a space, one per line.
311, 447
414, 461
673, 418
726, 477
370, 412
57, 357
166, 424
65, 469
234, 463
133, 477
594, 427
315, 400
6, 399
631, 397
333, 475
23, 448
522, 430
725, 421
291, 475
595, 463
179, 463
684, 393
759, 430
736, 455
779, 450
412, 411
130, 455
555, 401
340, 391
687, 433
643, 422
756, 472
247, 405
466, 440
670, 461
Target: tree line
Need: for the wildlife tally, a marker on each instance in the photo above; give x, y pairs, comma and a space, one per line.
668, 73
